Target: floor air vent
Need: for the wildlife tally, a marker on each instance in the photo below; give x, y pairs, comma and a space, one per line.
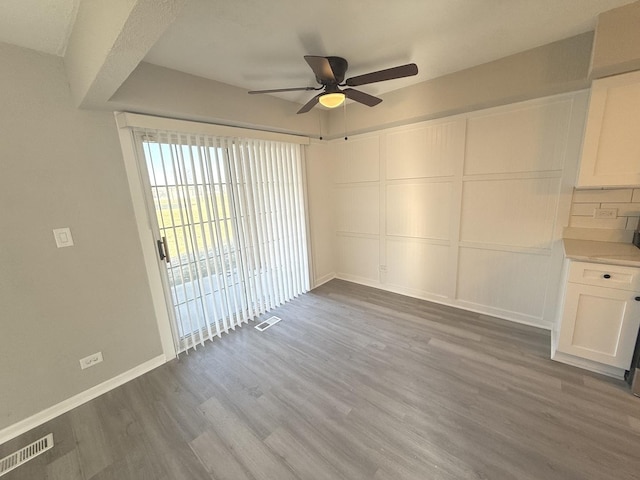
262, 326
25, 454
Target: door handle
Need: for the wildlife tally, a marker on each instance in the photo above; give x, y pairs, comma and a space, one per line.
163, 251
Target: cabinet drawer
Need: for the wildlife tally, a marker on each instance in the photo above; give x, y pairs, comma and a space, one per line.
611, 276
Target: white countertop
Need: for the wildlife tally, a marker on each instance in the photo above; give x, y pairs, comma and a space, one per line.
612, 253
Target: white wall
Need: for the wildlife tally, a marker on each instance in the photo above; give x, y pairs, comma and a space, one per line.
161, 91
466, 210
62, 167
321, 205
550, 69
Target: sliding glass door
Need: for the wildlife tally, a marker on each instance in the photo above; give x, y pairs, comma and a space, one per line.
231, 223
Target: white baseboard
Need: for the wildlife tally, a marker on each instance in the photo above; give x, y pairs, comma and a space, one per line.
47, 414
360, 280
515, 317
461, 304
585, 364
324, 279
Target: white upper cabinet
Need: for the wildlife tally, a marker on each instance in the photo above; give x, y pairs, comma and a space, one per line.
611, 149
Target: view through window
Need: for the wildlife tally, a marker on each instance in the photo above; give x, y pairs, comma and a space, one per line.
232, 213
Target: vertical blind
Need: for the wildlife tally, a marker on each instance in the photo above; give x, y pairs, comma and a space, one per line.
232, 213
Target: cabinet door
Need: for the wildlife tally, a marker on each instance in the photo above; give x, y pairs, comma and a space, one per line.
600, 324
611, 148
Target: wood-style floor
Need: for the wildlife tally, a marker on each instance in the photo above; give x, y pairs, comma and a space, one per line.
354, 383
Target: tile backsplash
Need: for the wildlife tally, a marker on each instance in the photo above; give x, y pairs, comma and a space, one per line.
626, 201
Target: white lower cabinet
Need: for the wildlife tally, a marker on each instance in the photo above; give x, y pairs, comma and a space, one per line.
599, 323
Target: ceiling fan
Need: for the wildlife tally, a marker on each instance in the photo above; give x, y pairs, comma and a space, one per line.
330, 72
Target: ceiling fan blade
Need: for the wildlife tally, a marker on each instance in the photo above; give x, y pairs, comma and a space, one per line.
361, 97
381, 75
294, 89
310, 104
321, 68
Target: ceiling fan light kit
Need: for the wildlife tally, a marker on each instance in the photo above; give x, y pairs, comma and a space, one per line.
332, 100
330, 73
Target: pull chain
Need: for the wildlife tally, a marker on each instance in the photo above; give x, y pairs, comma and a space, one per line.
344, 109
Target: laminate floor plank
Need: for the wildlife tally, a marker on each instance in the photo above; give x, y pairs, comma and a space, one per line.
326, 430
164, 437
94, 448
252, 453
218, 459
304, 461
66, 467
311, 427
354, 383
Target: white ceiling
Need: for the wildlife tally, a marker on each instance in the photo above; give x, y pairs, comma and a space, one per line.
258, 44
42, 25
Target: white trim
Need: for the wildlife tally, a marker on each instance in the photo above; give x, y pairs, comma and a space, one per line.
47, 414
131, 120
367, 282
147, 243
324, 279
503, 247
578, 362
144, 210
307, 219
508, 315
585, 364
516, 317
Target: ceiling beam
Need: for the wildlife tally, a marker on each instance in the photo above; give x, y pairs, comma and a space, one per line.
616, 47
108, 41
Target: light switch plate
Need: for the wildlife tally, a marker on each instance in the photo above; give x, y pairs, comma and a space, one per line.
63, 237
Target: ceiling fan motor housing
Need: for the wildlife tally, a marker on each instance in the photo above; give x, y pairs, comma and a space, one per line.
339, 68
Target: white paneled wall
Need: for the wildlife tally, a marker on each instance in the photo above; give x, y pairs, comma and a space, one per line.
440, 144
358, 257
524, 138
506, 283
466, 211
417, 266
357, 197
419, 210
517, 212
358, 160
359, 212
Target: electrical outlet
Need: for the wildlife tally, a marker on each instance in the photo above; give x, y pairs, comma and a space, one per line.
91, 360
605, 213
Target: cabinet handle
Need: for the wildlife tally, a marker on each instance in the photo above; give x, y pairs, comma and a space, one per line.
606, 275
637, 299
